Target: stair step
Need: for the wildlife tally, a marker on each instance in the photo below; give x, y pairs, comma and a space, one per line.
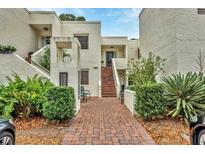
108, 84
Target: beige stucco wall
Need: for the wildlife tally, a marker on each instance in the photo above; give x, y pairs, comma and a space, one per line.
71, 66
12, 63
175, 34
90, 58
16, 31
132, 49
190, 37
157, 32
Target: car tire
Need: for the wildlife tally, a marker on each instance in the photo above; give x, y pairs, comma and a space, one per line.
201, 137
9, 138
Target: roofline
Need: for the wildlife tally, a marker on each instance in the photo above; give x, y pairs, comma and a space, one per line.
62, 22
81, 22
114, 37
141, 12
44, 12
134, 40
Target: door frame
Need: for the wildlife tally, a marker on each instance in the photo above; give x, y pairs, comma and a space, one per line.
106, 57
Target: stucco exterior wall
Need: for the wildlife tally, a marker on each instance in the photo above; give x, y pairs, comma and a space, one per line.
91, 57
132, 49
190, 37
71, 66
157, 32
175, 34
16, 31
12, 63
129, 100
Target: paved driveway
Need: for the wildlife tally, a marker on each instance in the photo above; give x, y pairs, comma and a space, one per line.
105, 121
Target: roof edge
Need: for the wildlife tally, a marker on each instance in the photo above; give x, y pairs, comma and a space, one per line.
141, 12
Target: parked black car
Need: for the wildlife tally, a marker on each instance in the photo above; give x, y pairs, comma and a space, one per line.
197, 128
7, 132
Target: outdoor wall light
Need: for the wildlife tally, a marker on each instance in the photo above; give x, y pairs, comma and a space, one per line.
45, 29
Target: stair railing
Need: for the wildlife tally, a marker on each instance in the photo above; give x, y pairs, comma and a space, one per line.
36, 57
116, 78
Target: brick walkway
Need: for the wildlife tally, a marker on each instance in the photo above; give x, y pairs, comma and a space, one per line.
105, 121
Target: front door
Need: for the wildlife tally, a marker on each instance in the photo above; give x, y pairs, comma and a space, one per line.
109, 56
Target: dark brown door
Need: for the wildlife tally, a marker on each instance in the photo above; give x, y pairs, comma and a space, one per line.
109, 56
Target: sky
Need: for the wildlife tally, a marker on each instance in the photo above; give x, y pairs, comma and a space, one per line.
114, 22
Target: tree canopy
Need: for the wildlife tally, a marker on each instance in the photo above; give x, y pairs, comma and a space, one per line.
71, 17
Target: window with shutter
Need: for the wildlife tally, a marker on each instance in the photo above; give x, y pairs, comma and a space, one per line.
63, 79
83, 39
84, 77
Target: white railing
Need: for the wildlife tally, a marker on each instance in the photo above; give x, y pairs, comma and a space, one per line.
129, 100
99, 88
36, 57
116, 78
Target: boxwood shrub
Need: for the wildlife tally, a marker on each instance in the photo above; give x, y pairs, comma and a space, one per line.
60, 103
150, 102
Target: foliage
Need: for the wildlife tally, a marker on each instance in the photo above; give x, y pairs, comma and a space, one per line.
145, 70
8, 48
71, 17
185, 94
200, 63
60, 103
45, 61
23, 98
80, 18
150, 102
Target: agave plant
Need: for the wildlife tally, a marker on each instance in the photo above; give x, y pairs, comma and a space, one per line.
185, 94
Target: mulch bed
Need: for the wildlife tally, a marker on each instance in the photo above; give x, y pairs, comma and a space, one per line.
167, 131
39, 131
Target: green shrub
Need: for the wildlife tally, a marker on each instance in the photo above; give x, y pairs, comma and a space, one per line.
23, 98
144, 70
8, 48
185, 95
150, 102
60, 103
45, 61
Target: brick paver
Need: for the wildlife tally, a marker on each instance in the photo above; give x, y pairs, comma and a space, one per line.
105, 121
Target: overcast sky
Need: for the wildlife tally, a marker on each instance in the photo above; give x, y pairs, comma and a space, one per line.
115, 22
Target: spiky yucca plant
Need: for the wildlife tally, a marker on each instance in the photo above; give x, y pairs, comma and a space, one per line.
185, 94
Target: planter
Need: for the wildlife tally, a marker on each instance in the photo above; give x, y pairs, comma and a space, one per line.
6, 52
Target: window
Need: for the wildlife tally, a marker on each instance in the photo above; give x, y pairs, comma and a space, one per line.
83, 39
85, 77
45, 41
201, 11
63, 79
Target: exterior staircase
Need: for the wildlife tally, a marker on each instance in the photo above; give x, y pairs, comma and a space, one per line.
108, 85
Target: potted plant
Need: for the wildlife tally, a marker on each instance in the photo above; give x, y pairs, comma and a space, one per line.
28, 59
7, 49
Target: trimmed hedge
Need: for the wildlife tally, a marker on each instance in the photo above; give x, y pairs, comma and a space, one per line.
60, 103
150, 102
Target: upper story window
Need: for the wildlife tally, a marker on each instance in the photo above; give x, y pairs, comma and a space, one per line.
84, 40
201, 11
